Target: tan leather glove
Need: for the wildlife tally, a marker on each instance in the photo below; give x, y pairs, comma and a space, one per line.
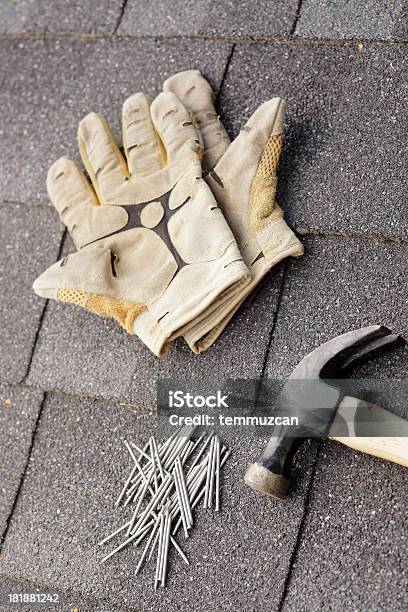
243, 178
154, 250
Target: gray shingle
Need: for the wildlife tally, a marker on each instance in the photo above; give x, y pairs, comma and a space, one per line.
345, 154
352, 550
225, 17
59, 16
382, 19
29, 242
19, 409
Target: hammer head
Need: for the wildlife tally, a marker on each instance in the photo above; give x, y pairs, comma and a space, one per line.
309, 396
327, 360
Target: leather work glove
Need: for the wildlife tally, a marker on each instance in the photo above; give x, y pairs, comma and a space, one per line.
154, 250
243, 178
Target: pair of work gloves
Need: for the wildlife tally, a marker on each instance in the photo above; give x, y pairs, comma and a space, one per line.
174, 233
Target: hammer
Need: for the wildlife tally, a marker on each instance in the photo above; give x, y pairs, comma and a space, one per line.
314, 393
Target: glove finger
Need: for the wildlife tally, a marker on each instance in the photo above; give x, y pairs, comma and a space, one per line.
259, 140
241, 193
144, 151
78, 206
87, 279
197, 95
101, 156
266, 131
175, 128
268, 121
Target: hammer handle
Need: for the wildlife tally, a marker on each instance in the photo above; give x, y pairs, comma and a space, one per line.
362, 420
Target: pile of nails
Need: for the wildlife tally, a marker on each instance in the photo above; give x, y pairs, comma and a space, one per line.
166, 482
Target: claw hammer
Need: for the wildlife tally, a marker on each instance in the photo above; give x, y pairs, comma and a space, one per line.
313, 386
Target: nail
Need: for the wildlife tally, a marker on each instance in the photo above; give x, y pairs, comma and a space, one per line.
209, 465
201, 451
180, 552
157, 458
186, 452
184, 493
125, 486
156, 486
212, 474
153, 546
166, 548
180, 500
112, 535
141, 452
143, 533
197, 442
139, 503
217, 477
159, 552
146, 548
125, 543
194, 488
130, 497
132, 454
180, 446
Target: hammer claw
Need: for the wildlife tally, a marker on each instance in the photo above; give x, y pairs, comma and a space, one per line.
325, 361
371, 350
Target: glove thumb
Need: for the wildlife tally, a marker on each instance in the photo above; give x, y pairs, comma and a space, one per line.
87, 279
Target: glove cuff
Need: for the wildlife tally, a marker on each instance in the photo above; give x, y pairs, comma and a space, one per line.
276, 241
157, 331
152, 334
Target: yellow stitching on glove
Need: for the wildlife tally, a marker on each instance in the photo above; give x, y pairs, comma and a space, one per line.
263, 189
125, 312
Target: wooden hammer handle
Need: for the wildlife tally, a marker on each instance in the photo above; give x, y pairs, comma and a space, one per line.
365, 423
